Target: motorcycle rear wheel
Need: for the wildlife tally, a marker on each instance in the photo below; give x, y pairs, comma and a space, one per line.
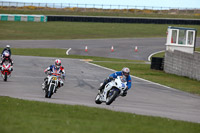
97, 101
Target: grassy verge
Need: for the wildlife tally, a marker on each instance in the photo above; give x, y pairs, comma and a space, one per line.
61, 53
80, 30
97, 13
144, 71
22, 116
139, 70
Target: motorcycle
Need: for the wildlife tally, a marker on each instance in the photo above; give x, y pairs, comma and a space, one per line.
52, 83
6, 70
111, 90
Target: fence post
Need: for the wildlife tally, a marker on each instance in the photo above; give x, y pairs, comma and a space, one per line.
85, 7
135, 9
127, 8
161, 10
93, 7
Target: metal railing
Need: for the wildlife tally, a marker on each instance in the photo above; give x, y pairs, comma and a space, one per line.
97, 8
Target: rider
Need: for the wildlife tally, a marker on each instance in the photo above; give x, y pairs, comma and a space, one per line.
124, 72
55, 69
7, 48
6, 57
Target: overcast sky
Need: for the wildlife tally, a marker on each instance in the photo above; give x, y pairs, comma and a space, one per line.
155, 3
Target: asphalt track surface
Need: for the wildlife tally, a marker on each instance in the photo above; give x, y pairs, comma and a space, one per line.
83, 80
123, 48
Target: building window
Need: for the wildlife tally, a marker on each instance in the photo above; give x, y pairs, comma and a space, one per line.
174, 36
190, 38
182, 37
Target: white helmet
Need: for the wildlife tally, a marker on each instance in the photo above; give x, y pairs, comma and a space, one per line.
126, 71
57, 62
7, 46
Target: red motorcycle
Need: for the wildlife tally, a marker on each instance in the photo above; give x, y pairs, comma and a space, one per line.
6, 70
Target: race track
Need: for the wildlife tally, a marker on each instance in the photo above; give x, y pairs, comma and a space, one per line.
123, 48
81, 86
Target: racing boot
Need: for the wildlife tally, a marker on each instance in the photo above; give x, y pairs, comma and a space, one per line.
102, 87
44, 85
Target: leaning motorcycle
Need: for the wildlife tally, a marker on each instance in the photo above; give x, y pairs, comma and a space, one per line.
51, 85
6, 70
111, 91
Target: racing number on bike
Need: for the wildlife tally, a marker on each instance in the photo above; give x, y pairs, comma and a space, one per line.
54, 78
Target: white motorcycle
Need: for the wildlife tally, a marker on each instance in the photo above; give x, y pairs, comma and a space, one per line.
112, 90
51, 85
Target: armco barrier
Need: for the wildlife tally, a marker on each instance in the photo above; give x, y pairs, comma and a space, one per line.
19, 17
124, 20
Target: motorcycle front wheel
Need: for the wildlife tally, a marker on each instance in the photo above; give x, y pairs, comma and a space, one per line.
5, 76
50, 93
112, 95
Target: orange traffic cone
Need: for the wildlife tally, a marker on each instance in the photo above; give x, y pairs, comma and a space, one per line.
112, 49
136, 49
86, 49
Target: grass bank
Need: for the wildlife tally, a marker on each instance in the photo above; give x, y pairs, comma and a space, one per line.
81, 30
137, 69
99, 13
20, 116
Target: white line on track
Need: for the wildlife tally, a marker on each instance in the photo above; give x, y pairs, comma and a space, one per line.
67, 52
149, 58
150, 82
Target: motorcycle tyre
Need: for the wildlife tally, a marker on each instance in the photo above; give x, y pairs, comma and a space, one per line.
97, 101
50, 93
115, 94
5, 76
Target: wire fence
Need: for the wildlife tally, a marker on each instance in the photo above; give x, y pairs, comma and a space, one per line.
98, 8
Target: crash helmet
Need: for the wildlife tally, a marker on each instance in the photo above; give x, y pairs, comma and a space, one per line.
125, 71
57, 62
7, 46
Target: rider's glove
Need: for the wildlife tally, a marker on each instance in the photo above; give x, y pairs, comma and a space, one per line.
111, 78
63, 76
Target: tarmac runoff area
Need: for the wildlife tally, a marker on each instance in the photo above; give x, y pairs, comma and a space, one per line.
82, 82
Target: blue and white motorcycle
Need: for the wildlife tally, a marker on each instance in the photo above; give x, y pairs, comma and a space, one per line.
111, 91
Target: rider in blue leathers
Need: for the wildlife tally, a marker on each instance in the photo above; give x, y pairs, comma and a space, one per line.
125, 72
56, 69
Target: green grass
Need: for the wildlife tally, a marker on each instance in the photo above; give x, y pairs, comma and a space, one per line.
144, 71
137, 69
93, 13
81, 30
61, 53
20, 116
